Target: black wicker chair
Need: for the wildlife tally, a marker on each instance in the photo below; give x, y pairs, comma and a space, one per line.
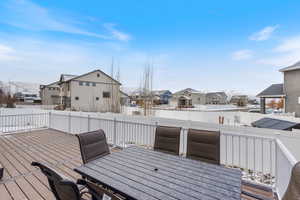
93, 145
204, 146
167, 139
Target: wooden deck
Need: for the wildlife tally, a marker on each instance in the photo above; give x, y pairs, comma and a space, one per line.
60, 150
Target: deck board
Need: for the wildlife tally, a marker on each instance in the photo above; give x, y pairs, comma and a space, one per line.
61, 151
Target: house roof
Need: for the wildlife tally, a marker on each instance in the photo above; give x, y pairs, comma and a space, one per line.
68, 77
54, 84
189, 90
185, 97
159, 92
275, 90
275, 124
295, 66
217, 94
123, 93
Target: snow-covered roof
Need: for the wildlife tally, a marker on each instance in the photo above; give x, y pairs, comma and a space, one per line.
187, 90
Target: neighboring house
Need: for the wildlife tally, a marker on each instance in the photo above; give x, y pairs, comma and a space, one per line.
289, 91
94, 91
239, 100
162, 96
291, 88
216, 98
50, 94
187, 98
124, 98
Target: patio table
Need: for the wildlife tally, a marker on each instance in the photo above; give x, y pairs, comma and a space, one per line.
142, 174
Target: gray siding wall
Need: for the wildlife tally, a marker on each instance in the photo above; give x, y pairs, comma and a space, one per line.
90, 98
292, 90
50, 96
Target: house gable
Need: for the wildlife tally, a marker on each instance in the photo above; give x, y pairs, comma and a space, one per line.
96, 76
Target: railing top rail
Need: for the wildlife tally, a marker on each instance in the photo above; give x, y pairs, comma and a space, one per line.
25, 114
229, 133
286, 152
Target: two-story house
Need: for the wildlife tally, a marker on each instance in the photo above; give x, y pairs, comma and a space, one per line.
163, 96
94, 91
289, 91
187, 98
50, 94
216, 98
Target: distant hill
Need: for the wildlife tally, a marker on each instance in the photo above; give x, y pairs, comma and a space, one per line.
18, 86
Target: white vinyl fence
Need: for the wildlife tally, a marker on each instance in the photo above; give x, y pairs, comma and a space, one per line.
22, 122
262, 157
284, 162
254, 154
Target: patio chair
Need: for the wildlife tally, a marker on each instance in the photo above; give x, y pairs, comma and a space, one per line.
203, 145
167, 139
64, 189
293, 190
93, 145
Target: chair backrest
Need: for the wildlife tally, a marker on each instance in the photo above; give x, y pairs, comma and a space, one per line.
62, 188
293, 190
167, 139
203, 145
93, 145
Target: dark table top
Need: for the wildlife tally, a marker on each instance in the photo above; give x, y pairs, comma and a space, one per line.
144, 174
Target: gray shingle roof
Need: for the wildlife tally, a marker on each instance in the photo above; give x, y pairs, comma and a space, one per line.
295, 66
273, 90
66, 77
188, 90
275, 124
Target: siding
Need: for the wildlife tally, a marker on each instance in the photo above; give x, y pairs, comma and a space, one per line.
87, 94
292, 90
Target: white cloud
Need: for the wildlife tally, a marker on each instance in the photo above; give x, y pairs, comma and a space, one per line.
116, 33
6, 53
43, 60
263, 34
28, 15
243, 54
284, 54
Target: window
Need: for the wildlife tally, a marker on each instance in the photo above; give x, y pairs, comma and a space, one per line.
76, 98
106, 94
94, 84
98, 75
80, 83
87, 83
97, 98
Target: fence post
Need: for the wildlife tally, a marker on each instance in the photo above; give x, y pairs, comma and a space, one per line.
49, 126
115, 132
89, 125
69, 123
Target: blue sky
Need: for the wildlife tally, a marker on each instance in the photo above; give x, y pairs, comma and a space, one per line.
206, 45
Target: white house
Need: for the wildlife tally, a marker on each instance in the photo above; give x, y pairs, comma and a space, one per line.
50, 94
94, 91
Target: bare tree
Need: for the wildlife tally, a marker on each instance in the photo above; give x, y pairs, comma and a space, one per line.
146, 92
114, 103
